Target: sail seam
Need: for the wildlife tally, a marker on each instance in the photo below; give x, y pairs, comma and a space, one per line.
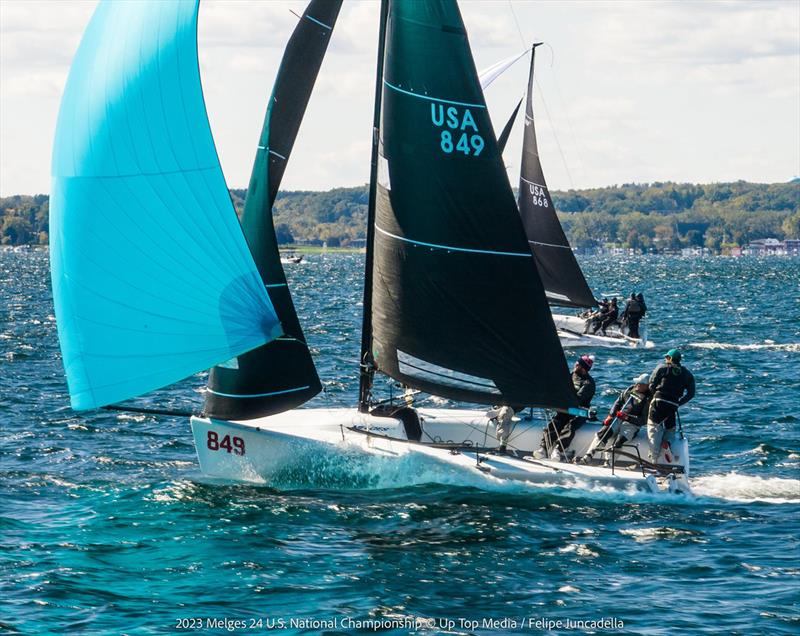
533, 182
433, 99
318, 22
450, 247
566, 247
256, 395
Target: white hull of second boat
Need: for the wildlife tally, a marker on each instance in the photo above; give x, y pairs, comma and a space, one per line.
570, 332
302, 440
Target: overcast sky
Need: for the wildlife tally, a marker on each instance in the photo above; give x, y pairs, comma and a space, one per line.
630, 91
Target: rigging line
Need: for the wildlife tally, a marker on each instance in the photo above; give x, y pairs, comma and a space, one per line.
544, 103
519, 29
565, 110
555, 134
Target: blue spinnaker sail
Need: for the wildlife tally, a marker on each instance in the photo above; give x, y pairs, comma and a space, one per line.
152, 278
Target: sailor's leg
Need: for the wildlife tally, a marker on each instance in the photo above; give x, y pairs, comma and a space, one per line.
626, 432
549, 436
601, 437
655, 433
567, 433
668, 440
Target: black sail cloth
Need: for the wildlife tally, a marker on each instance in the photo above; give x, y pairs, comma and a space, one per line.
458, 309
563, 279
280, 375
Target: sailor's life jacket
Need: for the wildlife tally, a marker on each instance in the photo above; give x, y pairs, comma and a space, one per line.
633, 310
634, 404
584, 388
673, 383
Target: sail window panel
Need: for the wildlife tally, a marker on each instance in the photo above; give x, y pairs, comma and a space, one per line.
423, 370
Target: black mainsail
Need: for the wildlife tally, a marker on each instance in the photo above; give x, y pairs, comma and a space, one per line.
280, 375
563, 279
454, 304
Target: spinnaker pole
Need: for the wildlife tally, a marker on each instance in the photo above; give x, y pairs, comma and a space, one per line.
366, 364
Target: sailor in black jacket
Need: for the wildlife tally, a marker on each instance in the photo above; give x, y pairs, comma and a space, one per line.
672, 385
559, 432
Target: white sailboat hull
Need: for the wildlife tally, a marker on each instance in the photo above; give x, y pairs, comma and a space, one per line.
570, 332
263, 449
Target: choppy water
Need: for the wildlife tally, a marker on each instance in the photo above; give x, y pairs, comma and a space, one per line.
109, 528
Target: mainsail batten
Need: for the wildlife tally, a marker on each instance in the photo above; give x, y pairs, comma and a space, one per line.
280, 375
557, 265
134, 165
456, 301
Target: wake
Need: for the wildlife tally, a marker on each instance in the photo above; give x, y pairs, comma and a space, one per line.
767, 345
747, 488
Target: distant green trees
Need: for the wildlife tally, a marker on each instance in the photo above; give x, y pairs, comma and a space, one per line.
24, 220
652, 216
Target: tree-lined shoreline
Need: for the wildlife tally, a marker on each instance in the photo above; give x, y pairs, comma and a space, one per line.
643, 217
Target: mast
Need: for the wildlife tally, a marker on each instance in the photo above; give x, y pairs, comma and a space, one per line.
366, 363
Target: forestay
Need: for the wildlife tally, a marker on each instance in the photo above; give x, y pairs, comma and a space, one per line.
280, 375
152, 278
458, 309
563, 279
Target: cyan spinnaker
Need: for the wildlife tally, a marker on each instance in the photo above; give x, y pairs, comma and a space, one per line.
152, 277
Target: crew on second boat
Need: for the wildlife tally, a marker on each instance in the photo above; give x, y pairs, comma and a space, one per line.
633, 314
671, 385
559, 432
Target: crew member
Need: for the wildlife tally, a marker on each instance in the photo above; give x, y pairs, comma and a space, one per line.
640, 298
503, 418
594, 319
609, 317
631, 410
559, 432
672, 386
632, 315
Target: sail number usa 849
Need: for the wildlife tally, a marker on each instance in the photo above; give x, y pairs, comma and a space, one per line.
461, 131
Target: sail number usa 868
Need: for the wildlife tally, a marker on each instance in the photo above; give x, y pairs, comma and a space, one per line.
228, 443
460, 132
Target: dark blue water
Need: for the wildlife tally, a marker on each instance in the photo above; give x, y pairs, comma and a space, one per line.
108, 527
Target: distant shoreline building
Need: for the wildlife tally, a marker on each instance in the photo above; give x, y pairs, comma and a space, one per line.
773, 247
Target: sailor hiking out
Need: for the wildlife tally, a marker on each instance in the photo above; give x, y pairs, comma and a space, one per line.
560, 430
671, 385
626, 417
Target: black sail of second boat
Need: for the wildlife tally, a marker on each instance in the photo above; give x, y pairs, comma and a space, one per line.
563, 279
457, 307
280, 375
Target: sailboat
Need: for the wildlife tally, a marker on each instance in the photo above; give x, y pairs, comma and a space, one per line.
154, 280
564, 282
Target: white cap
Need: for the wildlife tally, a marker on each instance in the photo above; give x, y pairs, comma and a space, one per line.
642, 379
